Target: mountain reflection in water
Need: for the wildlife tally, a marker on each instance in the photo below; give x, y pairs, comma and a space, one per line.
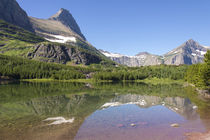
102, 111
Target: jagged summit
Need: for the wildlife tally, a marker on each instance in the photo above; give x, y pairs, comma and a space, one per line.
65, 17
61, 12
60, 27
190, 42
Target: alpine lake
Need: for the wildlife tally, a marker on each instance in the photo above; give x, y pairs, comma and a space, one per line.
100, 111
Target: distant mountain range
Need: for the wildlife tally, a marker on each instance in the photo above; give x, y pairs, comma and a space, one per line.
141, 59
190, 52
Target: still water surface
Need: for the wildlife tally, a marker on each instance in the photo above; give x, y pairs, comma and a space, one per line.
112, 111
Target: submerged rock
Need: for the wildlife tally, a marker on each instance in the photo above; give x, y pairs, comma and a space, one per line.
175, 125
133, 124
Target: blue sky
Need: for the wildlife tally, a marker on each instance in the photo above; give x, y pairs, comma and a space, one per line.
132, 26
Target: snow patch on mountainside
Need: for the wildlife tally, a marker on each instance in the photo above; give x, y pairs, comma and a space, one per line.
174, 52
61, 39
201, 52
112, 54
108, 54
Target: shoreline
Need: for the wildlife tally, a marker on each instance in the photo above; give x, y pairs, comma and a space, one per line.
204, 92
7, 81
154, 81
65, 81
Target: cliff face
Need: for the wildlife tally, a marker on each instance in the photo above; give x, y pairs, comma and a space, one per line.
58, 53
11, 12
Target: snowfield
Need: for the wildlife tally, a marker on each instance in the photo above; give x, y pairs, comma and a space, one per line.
112, 54
116, 55
193, 54
61, 39
201, 52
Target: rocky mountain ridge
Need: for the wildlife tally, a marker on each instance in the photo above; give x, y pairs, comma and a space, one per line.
190, 52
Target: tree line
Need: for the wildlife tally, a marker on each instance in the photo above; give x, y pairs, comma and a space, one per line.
20, 68
140, 73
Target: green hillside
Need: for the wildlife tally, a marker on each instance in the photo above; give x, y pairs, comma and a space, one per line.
12, 32
15, 41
